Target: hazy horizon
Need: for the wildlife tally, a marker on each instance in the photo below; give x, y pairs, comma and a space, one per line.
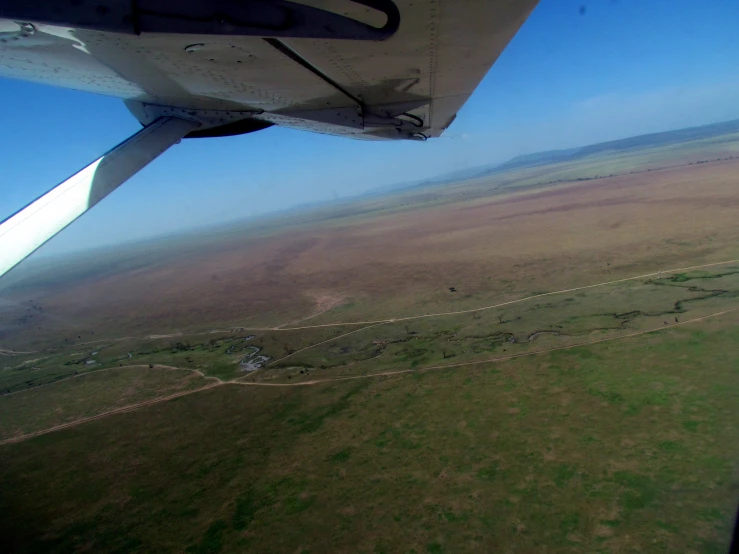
50, 253
270, 218
571, 77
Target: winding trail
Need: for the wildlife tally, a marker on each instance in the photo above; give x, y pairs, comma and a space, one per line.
6, 352
337, 337
369, 324
500, 305
366, 325
476, 362
283, 327
330, 306
121, 410
219, 382
104, 369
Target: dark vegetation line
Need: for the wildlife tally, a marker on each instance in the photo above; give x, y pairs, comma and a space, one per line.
678, 305
470, 310
488, 360
409, 318
152, 401
322, 342
625, 319
678, 280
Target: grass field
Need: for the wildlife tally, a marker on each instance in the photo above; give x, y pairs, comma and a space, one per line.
510, 364
619, 447
86, 395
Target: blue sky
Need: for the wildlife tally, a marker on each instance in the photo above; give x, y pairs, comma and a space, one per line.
578, 72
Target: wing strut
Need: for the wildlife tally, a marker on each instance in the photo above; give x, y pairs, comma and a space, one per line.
22, 233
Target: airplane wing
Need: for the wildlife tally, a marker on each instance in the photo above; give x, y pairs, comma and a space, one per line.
368, 69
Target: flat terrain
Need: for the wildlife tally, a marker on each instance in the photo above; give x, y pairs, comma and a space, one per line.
540, 360
621, 447
88, 394
395, 262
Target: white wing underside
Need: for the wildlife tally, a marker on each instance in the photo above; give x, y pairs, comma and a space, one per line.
409, 86
432, 64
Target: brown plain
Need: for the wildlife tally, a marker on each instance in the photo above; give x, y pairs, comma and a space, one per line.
402, 261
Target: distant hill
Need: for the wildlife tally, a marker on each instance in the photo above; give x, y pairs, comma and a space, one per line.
651, 140
538, 158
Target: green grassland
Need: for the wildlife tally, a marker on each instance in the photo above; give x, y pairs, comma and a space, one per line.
536, 322
618, 447
509, 416
89, 394
615, 446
